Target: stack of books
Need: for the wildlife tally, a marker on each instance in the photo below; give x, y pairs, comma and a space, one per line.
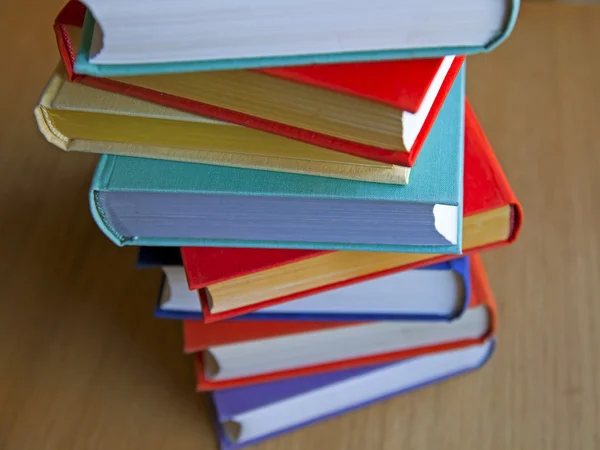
311, 179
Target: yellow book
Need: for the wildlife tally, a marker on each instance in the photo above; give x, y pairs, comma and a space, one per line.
77, 117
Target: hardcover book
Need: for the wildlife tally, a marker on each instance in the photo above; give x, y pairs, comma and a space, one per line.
76, 117
175, 36
237, 353
250, 414
268, 277
332, 106
437, 292
138, 201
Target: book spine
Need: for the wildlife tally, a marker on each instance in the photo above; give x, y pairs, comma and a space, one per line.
483, 291
226, 444
71, 14
99, 183
462, 266
504, 190
510, 24
43, 119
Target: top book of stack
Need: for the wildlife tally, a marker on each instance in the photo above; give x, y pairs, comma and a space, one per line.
136, 37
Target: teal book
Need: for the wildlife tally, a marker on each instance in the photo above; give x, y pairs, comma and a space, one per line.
177, 36
138, 201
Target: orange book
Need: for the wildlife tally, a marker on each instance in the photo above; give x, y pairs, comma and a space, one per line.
238, 353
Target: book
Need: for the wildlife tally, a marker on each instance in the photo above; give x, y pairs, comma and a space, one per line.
77, 117
437, 292
267, 277
250, 414
138, 201
236, 353
387, 121
180, 36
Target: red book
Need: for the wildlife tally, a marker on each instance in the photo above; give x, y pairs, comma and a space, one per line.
209, 340
485, 189
402, 85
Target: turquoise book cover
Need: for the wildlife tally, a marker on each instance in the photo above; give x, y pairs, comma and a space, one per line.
437, 179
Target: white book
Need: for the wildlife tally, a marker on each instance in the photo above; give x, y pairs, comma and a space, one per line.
132, 32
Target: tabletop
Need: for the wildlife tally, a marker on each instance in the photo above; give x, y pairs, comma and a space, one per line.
84, 365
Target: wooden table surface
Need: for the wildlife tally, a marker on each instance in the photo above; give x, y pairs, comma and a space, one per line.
83, 365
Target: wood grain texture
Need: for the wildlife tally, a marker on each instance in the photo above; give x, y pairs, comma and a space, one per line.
83, 365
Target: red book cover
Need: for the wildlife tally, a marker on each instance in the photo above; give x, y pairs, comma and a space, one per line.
401, 84
485, 188
199, 336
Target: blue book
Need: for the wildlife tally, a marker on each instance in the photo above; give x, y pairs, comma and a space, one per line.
120, 41
437, 292
138, 201
248, 415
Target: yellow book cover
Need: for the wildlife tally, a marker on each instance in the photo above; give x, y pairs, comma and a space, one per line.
76, 117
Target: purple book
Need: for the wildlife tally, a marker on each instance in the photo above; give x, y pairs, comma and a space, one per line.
251, 414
